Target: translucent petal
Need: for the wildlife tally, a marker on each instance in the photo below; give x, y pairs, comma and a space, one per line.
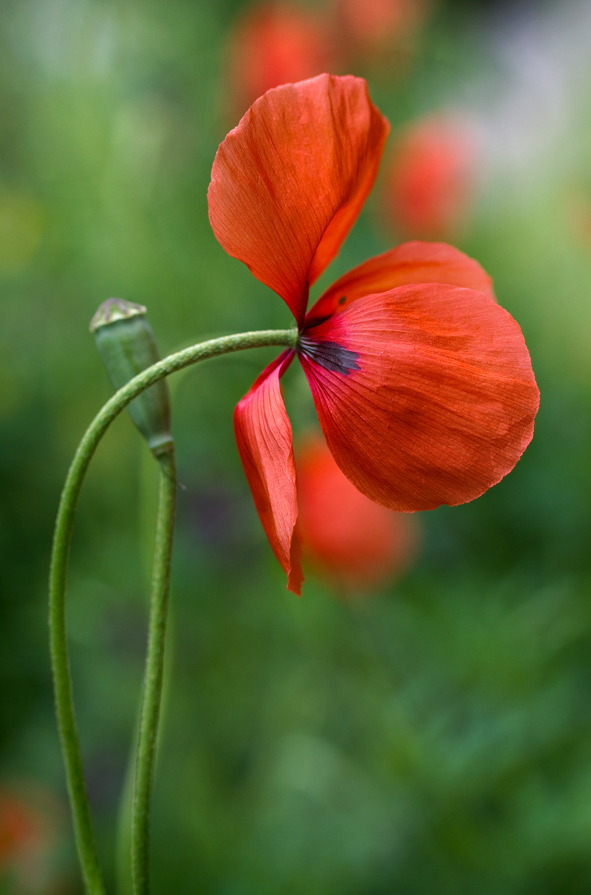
442, 402
263, 436
288, 183
411, 262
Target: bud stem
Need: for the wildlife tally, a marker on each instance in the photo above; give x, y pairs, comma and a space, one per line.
64, 704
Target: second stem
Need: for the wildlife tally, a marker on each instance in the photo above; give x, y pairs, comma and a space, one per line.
146, 751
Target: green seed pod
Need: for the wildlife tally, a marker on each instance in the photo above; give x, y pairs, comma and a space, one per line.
127, 346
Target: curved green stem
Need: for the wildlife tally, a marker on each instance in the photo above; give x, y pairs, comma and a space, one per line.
57, 581
153, 676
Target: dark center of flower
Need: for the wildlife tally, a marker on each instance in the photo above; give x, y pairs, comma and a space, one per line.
329, 355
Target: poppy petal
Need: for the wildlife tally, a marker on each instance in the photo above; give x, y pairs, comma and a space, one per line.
410, 262
288, 183
440, 402
263, 436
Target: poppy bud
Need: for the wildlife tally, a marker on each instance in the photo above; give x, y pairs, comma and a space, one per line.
127, 346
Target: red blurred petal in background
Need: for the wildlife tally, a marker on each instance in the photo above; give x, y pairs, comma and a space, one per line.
31, 825
355, 542
18, 827
430, 180
369, 27
273, 44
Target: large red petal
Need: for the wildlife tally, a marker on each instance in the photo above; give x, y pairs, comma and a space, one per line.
410, 262
263, 436
288, 183
434, 400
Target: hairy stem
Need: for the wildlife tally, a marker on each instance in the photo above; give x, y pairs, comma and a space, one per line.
153, 677
64, 703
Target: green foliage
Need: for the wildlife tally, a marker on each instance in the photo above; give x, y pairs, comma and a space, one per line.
432, 738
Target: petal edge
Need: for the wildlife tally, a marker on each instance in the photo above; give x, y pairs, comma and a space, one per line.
405, 264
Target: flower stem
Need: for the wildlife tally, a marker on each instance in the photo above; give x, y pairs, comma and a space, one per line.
64, 704
153, 676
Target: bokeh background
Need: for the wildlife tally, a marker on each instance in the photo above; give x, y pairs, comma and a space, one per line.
427, 732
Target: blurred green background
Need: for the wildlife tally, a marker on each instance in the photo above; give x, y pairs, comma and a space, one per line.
433, 736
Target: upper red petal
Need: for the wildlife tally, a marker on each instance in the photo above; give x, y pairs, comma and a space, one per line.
440, 403
410, 262
263, 436
288, 183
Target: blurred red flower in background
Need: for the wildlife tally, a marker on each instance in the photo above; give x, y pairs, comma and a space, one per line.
30, 823
422, 383
370, 27
355, 542
275, 43
430, 179
18, 827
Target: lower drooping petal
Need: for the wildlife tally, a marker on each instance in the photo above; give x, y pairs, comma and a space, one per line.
263, 436
410, 262
442, 401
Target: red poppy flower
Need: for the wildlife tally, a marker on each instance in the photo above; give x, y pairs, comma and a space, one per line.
422, 384
353, 541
